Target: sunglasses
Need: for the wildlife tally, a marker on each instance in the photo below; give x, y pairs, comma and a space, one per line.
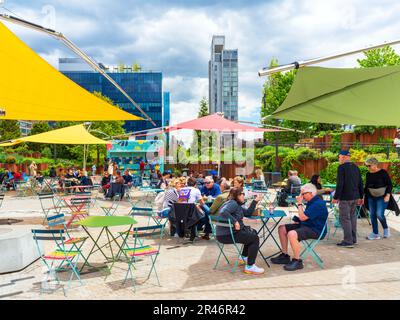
207, 182
305, 193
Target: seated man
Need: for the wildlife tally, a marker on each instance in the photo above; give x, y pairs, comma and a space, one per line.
210, 188
128, 178
293, 184
309, 225
222, 198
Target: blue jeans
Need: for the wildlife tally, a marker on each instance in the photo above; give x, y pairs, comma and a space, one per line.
205, 221
377, 209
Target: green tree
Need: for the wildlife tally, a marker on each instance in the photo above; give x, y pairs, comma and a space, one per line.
38, 127
136, 67
9, 129
381, 57
275, 91
198, 135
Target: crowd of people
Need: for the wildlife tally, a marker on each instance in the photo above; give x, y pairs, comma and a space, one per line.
213, 195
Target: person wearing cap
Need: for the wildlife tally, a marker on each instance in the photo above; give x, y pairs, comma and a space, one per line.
349, 193
378, 197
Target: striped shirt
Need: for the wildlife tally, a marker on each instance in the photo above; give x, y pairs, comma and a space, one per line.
171, 196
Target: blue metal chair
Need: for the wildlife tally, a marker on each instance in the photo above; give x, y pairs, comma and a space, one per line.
140, 249
309, 246
54, 260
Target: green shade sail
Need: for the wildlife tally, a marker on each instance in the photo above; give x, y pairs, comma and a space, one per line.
359, 96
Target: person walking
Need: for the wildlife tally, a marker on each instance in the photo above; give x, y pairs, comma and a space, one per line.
33, 169
349, 193
378, 198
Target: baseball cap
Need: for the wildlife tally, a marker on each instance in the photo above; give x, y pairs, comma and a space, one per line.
344, 153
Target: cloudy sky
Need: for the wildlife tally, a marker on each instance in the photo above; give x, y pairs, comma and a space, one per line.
175, 36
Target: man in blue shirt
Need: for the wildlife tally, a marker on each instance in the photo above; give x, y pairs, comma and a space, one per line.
308, 225
127, 178
210, 188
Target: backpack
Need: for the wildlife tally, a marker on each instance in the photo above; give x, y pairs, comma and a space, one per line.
159, 201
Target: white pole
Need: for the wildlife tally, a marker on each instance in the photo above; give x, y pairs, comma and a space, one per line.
298, 64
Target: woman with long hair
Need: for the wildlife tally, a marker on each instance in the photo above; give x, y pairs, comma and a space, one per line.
234, 210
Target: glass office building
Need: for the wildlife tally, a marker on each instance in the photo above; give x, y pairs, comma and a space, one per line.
145, 88
166, 112
223, 79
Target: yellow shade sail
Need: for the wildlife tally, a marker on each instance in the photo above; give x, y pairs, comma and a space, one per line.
31, 89
70, 135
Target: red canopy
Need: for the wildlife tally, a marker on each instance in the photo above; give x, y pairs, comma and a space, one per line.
215, 122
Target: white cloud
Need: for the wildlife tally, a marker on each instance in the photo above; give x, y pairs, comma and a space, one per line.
176, 37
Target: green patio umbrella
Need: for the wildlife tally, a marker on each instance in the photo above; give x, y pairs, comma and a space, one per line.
359, 96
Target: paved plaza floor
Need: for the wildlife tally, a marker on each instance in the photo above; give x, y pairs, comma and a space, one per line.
368, 271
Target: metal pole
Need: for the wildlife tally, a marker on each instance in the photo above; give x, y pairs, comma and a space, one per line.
79, 52
277, 168
298, 64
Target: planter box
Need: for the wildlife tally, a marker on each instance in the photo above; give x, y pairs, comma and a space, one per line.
42, 166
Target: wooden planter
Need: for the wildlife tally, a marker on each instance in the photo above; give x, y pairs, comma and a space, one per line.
347, 139
42, 166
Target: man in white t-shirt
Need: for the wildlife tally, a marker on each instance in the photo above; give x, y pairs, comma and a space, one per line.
190, 194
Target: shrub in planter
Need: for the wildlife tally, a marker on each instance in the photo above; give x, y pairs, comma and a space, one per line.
307, 154
358, 155
329, 174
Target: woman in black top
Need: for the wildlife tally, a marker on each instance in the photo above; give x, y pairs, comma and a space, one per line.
378, 189
316, 181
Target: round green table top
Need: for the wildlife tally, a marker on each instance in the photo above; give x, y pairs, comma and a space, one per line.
105, 221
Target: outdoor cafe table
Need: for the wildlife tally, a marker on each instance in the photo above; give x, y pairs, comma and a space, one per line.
105, 222
267, 232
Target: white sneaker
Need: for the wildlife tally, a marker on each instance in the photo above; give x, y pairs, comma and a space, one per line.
373, 236
176, 235
386, 233
253, 270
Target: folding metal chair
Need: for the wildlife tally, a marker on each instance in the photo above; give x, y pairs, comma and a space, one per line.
79, 208
223, 222
56, 258
309, 246
48, 204
21, 188
150, 214
110, 210
58, 222
140, 249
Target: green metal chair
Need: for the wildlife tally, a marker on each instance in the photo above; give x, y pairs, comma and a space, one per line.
110, 210
48, 204
141, 249
55, 259
150, 214
309, 247
58, 222
216, 221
